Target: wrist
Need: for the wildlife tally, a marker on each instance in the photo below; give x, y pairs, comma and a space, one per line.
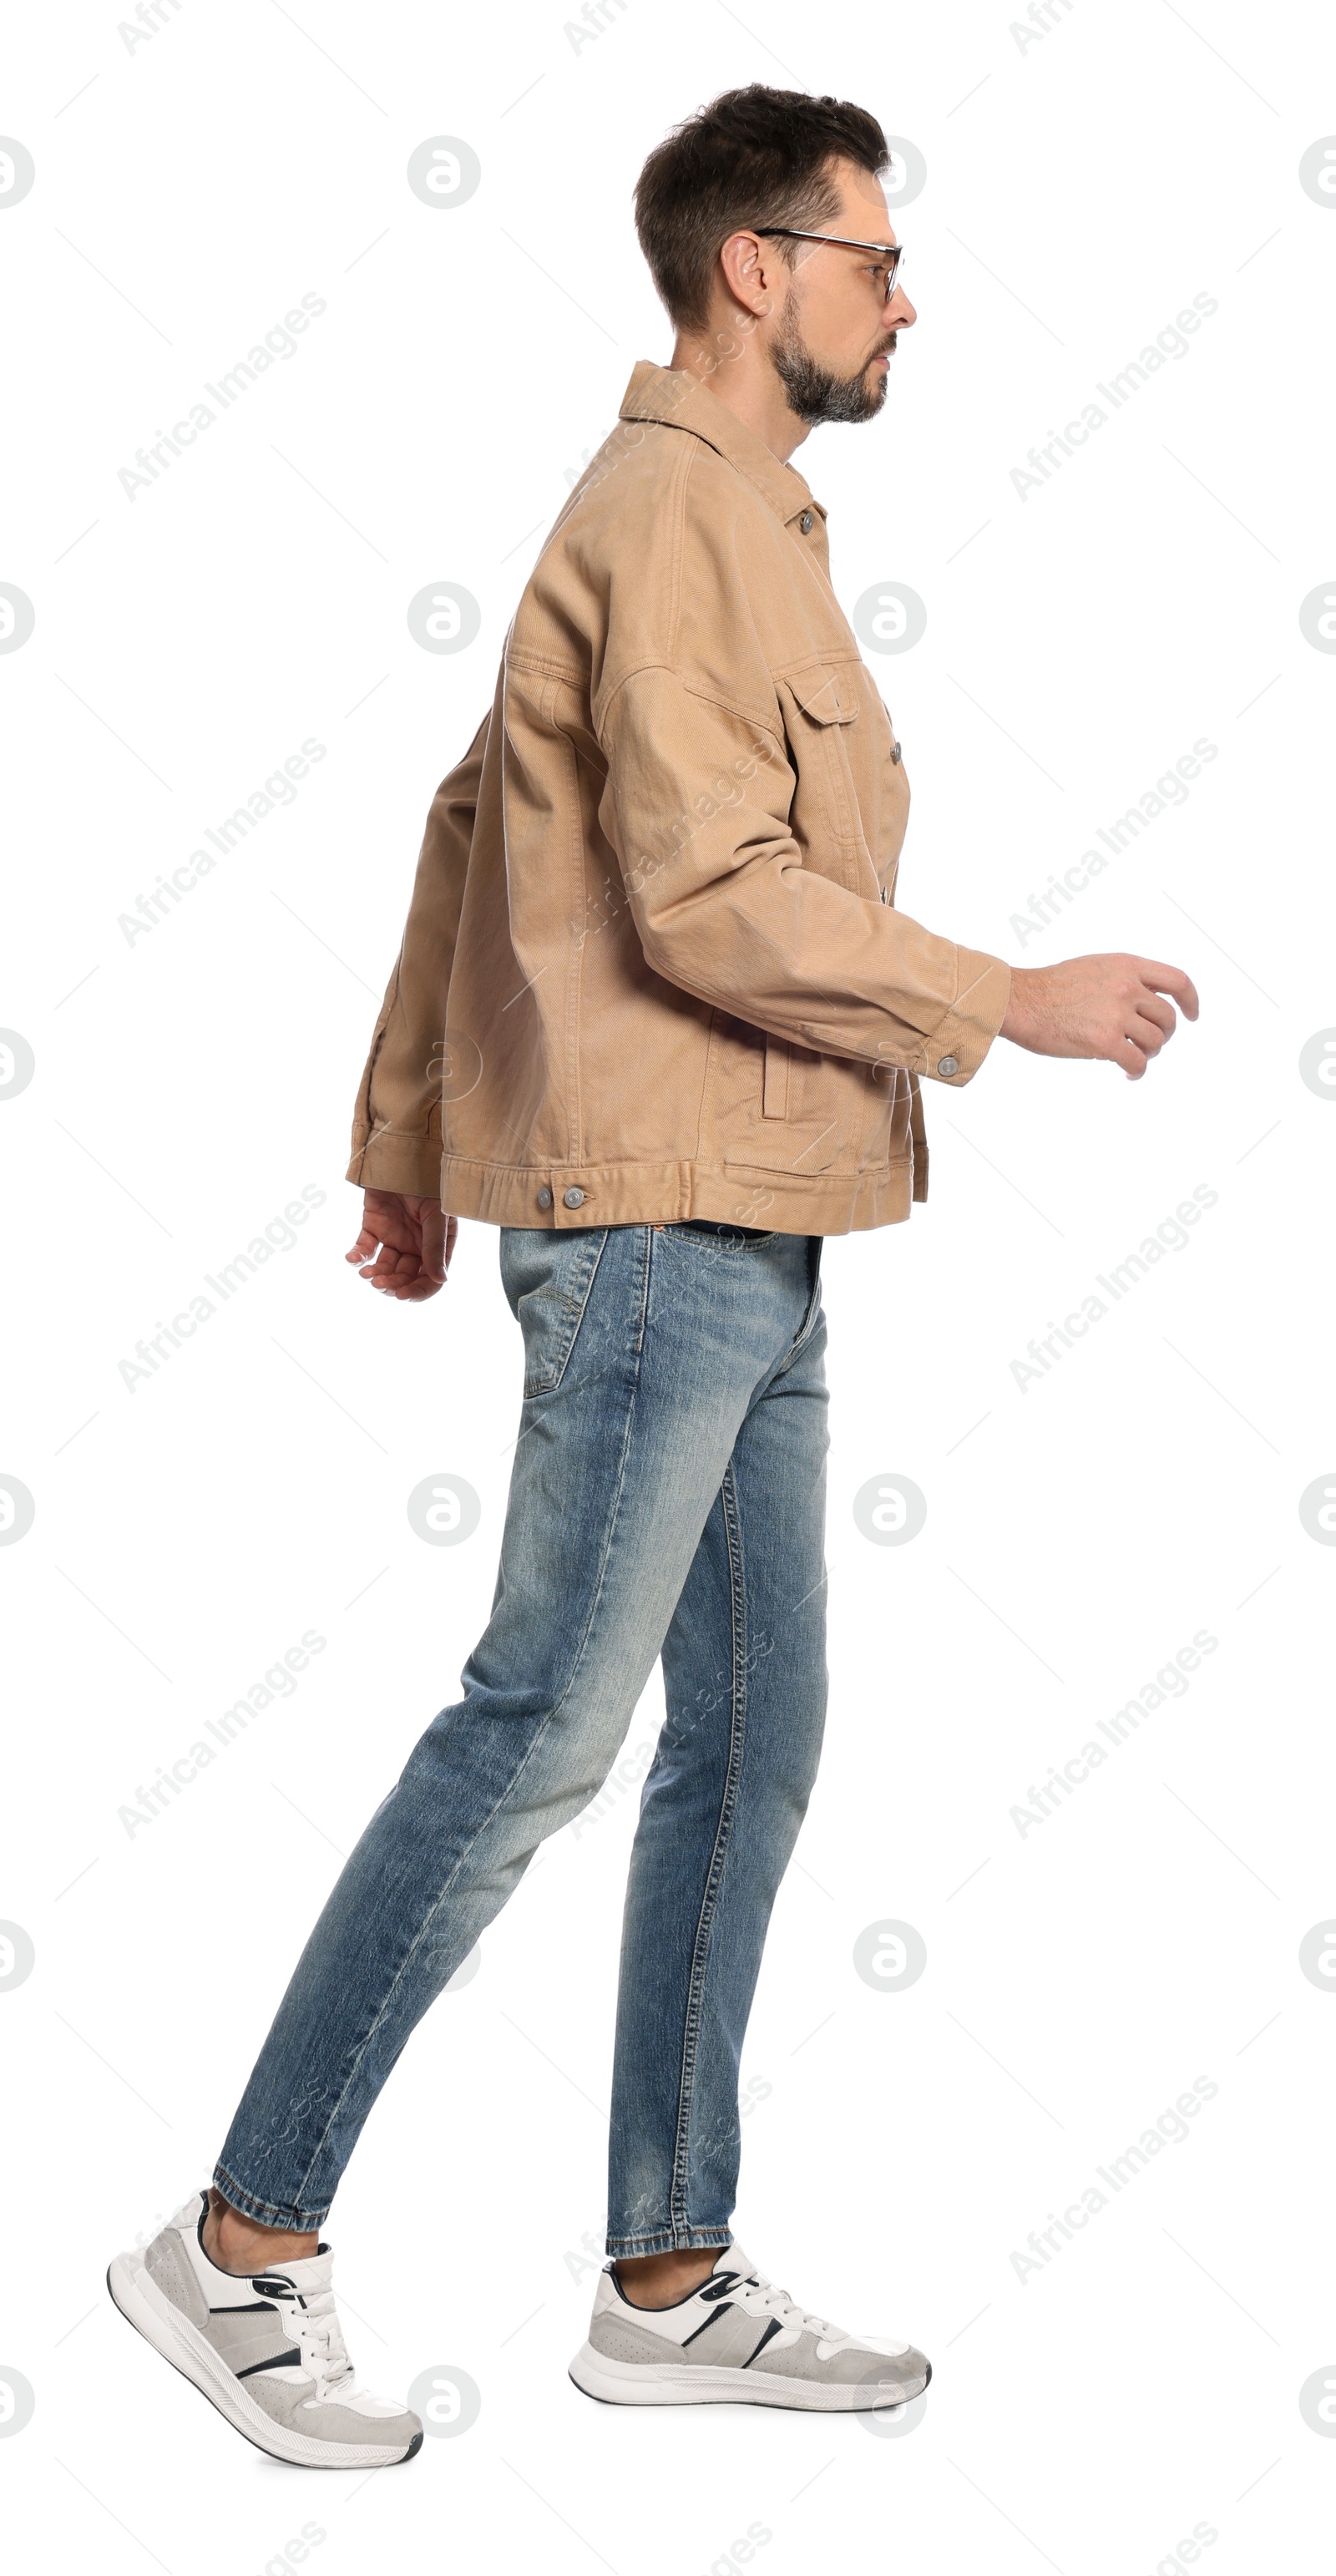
1016, 1016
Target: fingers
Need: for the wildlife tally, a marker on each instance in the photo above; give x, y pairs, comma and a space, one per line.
1144, 1037
410, 1282
388, 1247
1161, 1015
1151, 1020
414, 1290
439, 1233
1150, 1026
409, 1273
1169, 979
384, 1265
393, 1270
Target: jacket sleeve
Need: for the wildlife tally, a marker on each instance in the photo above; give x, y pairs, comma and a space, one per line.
725, 907
397, 1118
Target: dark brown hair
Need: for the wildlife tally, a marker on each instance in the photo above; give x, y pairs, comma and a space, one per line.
753, 156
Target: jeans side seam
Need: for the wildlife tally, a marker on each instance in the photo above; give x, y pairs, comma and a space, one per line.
516, 1776
714, 1875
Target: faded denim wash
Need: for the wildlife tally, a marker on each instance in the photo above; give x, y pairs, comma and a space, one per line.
667, 1497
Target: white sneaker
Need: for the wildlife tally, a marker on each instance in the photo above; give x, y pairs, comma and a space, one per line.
738, 2340
266, 2348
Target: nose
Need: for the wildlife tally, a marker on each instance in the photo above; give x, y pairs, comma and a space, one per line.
900, 313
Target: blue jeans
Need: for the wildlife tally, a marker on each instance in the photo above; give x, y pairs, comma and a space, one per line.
667, 1497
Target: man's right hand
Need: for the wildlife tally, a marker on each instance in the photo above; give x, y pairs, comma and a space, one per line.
405, 1244
1108, 1007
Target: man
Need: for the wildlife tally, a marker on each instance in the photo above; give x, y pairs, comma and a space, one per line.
685, 1029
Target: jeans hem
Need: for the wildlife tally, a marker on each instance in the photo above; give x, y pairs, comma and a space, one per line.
265, 2214
670, 2240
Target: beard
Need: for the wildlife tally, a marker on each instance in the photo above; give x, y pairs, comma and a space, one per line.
812, 391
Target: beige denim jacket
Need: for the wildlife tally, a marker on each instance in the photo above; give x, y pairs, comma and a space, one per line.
652, 967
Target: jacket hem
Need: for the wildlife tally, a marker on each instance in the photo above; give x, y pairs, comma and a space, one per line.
668, 1193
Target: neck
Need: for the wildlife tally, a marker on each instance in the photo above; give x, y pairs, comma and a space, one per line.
745, 383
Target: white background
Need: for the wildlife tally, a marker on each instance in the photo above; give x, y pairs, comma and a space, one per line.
1081, 190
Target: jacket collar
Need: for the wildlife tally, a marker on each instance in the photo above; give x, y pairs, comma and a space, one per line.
671, 395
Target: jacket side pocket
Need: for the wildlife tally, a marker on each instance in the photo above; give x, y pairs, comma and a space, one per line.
775, 1084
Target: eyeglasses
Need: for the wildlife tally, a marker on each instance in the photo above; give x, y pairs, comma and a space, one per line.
891, 256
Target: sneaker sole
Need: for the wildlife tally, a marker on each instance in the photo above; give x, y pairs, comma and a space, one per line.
639, 2383
143, 2306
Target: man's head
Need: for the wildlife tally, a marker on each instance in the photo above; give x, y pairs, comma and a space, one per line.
722, 211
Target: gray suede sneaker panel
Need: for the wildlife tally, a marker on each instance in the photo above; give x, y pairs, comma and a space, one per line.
726, 2341
168, 2267
285, 2400
243, 2340
620, 2339
904, 2371
729, 2340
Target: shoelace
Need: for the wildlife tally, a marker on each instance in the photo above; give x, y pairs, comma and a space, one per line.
315, 2325
770, 2300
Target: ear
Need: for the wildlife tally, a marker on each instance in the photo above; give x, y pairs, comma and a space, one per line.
751, 269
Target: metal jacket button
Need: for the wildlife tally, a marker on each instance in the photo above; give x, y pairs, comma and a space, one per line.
805, 523
949, 1064
545, 1196
895, 752
576, 1198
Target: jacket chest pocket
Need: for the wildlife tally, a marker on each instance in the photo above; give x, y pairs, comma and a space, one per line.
820, 703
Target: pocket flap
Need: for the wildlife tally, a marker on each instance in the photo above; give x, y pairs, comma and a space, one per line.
826, 694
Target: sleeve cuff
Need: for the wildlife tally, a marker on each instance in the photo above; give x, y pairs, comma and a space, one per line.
386, 1160
964, 1034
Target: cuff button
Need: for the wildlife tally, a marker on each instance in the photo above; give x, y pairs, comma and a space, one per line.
948, 1065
